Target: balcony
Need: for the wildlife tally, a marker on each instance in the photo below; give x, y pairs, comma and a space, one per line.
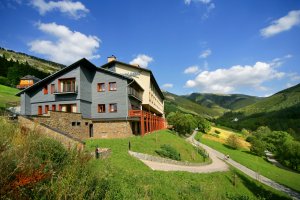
135, 94
68, 90
148, 121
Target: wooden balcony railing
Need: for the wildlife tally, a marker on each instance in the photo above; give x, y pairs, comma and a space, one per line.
148, 121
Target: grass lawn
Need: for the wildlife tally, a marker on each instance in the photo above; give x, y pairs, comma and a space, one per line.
7, 94
243, 156
129, 178
149, 143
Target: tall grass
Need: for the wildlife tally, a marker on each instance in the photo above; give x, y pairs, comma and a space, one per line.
35, 167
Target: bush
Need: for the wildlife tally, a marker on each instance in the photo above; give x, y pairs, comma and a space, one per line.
49, 151
250, 139
257, 147
217, 132
168, 151
4, 81
233, 141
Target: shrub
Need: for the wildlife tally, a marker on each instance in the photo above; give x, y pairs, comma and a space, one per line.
257, 147
250, 138
4, 81
233, 141
168, 151
217, 132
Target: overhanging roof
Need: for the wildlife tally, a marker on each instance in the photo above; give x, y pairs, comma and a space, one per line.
81, 62
109, 64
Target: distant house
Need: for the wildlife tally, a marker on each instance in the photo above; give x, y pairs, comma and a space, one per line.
99, 102
27, 81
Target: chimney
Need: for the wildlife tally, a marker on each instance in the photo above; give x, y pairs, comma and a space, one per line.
136, 65
111, 58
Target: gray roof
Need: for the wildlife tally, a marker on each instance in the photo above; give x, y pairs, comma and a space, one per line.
30, 77
109, 64
81, 62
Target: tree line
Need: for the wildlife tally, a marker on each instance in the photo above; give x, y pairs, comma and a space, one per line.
285, 148
11, 71
186, 123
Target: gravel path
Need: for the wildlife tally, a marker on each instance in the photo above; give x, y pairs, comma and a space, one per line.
217, 165
246, 170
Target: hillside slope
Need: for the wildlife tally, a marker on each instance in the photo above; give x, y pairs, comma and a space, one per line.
8, 94
175, 103
38, 63
280, 111
230, 101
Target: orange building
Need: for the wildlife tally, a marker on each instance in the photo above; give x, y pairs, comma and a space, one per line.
27, 81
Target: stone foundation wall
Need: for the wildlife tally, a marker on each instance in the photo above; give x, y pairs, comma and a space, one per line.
71, 123
49, 132
112, 129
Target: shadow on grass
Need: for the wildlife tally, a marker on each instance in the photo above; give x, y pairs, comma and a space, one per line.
229, 147
250, 153
257, 189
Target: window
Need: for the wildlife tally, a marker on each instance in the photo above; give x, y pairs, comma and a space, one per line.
46, 89
40, 110
101, 108
67, 85
52, 88
112, 86
46, 109
78, 123
101, 87
73, 123
68, 108
113, 107
53, 107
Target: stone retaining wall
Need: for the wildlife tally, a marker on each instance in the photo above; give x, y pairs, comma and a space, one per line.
112, 129
66, 139
143, 156
72, 123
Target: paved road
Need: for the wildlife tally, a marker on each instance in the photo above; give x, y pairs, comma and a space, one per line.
246, 170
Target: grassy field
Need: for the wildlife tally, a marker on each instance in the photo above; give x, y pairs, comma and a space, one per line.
243, 156
152, 142
129, 178
7, 94
223, 135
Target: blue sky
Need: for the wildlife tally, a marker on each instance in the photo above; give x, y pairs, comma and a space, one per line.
250, 47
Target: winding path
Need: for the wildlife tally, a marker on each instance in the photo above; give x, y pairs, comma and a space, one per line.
246, 170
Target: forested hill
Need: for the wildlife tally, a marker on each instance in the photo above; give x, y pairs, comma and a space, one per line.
280, 111
227, 101
175, 103
38, 63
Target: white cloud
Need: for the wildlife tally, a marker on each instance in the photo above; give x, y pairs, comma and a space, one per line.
277, 62
69, 46
208, 3
167, 85
282, 24
205, 53
229, 80
192, 70
142, 60
74, 9
188, 2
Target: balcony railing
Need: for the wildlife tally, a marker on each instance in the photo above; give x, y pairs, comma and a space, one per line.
148, 122
134, 93
72, 90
